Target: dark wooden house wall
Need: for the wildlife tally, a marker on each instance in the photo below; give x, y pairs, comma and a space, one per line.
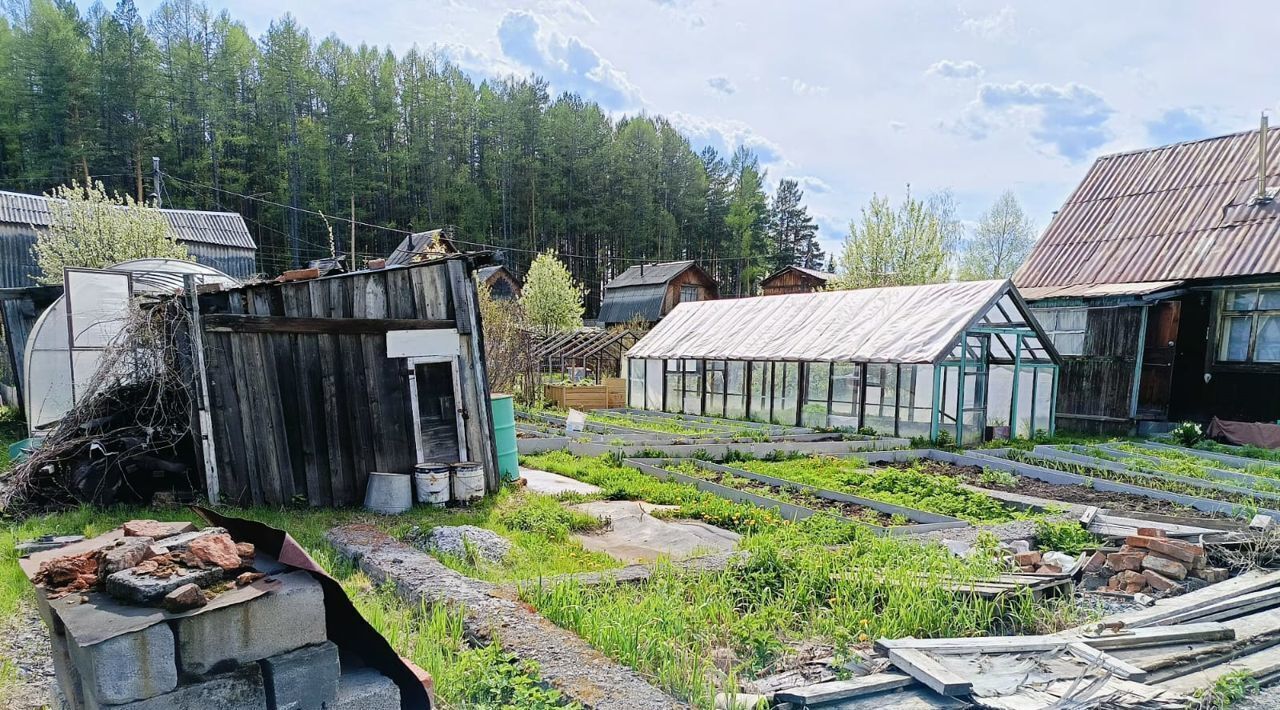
792, 282
1096, 387
308, 410
707, 288
503, 286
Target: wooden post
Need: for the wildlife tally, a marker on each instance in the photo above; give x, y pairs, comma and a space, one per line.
204, 430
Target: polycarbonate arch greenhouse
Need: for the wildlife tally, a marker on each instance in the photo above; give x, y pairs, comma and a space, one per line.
966, 358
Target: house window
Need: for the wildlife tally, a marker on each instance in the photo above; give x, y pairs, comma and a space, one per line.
690, 293
1065, 327
1250, 326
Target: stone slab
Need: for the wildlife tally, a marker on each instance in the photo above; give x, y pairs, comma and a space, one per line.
129, 667
635, 535
290, 617
366, 689
554, 483
305, 679
241, 689
146, 589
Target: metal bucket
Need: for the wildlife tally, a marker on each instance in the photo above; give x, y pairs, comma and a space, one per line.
431, 482
502, 409
468, 481
388, 493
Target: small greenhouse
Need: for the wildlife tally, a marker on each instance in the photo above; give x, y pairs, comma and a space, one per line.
966, 358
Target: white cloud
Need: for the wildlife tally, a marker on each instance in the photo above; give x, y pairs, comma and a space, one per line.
722, 85
800, 88
948, 69
812, 184
897, 126
1071, 118
567, 62
997, 25
727, 134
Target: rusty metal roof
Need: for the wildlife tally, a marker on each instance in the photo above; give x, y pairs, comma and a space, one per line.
1177, 212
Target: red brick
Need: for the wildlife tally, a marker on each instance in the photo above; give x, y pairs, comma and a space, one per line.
1177, 549
1048, 569
1152, 532
1165, 566
1212, 575
1096, 562
1023, 559
1159, 582
1139, 541
1135, 587
1129, 576
1119, 561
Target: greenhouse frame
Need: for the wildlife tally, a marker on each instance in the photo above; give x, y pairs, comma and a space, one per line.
964, 358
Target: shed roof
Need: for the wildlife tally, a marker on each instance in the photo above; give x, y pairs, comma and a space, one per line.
221, 228
420, 243
1176, 212
814, 273
484, 273
649, 274
629, 302
899, 324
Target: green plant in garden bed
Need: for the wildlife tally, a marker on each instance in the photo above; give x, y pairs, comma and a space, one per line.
1064, 536
430, 636
911, 486
666, 426
791, 587
1189, 465
1253, 452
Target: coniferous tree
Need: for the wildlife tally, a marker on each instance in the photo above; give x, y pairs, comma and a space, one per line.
792, 230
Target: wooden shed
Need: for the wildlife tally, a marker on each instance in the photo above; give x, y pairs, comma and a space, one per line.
312, 385
503, 285
648, 292
795, 279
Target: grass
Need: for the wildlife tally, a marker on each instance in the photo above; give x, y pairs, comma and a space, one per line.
1226, 691
12, 430
431, 637
1253, 452
821, 579
911, 486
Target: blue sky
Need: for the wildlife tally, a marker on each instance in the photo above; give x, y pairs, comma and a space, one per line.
854, 98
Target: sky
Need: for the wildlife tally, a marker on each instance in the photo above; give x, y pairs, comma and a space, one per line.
858, 98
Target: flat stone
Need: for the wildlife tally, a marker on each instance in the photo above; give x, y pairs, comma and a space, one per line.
216, 550
180, 542
241, 689
635, 535
1262, 522
366, 689
553, 483
305, 679
1165, 566
1026, 559
155, 529
48, 542
188, 596
288, 618
125, 553
131, 586
1212, 575
128, 667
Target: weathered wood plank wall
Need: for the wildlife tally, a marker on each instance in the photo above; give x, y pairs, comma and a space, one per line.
307, 413
1097, 385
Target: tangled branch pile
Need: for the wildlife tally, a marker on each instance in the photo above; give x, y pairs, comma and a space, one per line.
129, 434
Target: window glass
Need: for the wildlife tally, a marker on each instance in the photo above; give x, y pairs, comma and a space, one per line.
761, 390
1267, 349
1234, 346
1242, 300
1269, 300
845, 388
786, 392
735, 380
1065, 327
689, 293
882, 388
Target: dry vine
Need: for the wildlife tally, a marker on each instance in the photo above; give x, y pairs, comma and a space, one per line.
134, 418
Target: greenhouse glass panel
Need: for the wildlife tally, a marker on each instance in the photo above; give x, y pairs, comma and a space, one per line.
692, 387
846, 387
814, 413
735, 398
1041, 420
880, 412
715, 388
786, 392
761, 391
915, 400
635, 383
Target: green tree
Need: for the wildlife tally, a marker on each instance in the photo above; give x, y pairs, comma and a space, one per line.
551, 299
747, 220
888, 247
1001, 242
93, 229
792, 231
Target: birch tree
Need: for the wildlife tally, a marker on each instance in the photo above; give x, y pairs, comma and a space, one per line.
551, 299
892, 247
1001, 242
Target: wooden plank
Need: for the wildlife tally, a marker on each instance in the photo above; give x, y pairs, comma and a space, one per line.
310, 393
1258, 665
1089, 514
1121, 668
224, 408
1020, 644
1159, 635
474, 379
922, 667
1249, 633
842, 689
359, 420
1251, 581
339, 326
246, 386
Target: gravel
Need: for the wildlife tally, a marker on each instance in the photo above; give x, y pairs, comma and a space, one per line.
1267, 698
454, 540
24, 647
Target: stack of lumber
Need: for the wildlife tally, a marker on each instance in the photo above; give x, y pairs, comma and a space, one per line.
1154, 658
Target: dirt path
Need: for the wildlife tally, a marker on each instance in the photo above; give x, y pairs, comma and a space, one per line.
565, 661
28, 661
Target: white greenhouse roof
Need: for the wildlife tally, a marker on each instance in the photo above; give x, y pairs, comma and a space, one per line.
899, 324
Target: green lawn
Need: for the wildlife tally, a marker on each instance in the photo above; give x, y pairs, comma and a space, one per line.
12, 430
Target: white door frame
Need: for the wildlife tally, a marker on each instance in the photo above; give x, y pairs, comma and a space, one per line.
412, 364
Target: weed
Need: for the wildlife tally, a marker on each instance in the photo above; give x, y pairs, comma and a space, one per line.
992, 478
1225, 691
1064, 536
543, 515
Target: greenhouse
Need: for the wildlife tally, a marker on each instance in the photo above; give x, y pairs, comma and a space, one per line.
965, 358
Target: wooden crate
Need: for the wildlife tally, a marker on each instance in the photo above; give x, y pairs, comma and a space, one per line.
610, 394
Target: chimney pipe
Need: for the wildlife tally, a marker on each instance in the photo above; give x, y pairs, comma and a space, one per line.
1262, 159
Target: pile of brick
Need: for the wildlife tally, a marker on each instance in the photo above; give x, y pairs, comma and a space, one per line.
1150, 562
122, 640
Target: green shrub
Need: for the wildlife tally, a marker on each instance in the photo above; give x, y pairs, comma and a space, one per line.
1187, 433
1063, 536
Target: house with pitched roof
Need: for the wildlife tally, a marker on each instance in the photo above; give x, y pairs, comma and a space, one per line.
647, 292
1159, 283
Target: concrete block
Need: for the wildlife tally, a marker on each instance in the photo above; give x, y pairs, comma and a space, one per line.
141, 588
241, 689
129, 667
305, 679
366, 689
67, 690
280, 621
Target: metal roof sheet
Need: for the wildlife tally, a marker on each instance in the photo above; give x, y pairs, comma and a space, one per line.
222, 228
624, 304
899, 324
1177, 212
1142, 288
649, 274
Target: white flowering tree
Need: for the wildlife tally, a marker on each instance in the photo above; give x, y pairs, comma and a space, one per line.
551, 299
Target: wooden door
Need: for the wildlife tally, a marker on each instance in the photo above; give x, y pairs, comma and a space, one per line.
1158, 354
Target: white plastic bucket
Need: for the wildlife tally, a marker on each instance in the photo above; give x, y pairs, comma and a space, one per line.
431, 480
388, 493
468, 481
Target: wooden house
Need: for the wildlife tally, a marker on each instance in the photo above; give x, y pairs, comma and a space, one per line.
503, 285
647, 292
311, 385
795, 279
424, 245
1159, 282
